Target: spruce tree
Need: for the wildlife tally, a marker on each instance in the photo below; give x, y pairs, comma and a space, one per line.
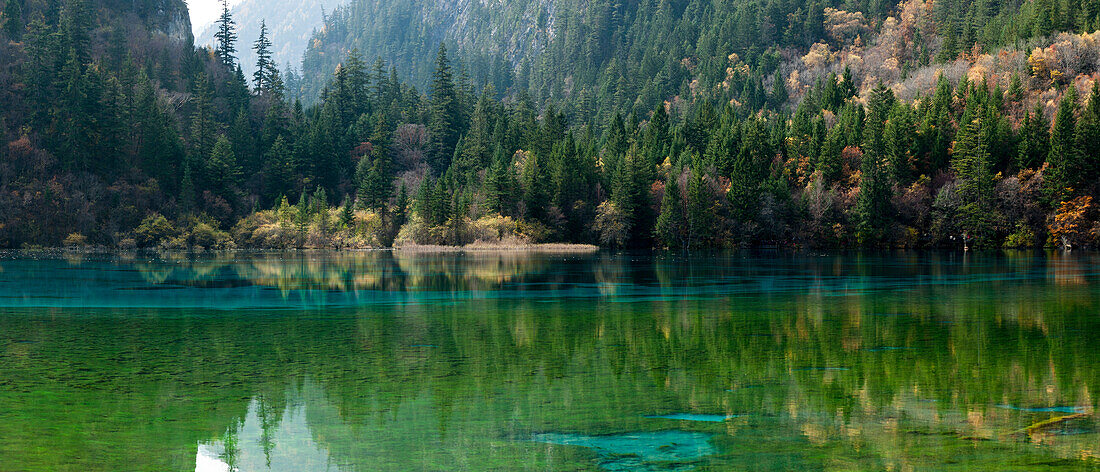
262, 78
670, 223
223, 172
1088, 137
973, 168
1034, 140
444, 121
872, 211
13, 19
279, 168
1064, 166
202, 120
700, 210
226, 37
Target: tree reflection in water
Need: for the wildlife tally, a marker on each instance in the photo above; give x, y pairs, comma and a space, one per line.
446, 362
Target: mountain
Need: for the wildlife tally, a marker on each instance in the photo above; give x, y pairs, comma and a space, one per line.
290, 26
493, 37
601, 57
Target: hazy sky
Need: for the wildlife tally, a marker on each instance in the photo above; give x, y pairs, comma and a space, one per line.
204, 12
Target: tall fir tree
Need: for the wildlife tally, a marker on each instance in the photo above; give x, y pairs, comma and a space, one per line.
444, 119
1064, 163
670, 223
872, 212
13, 19
262, 78
973, 168
1034, 140
1088, 137
226, 37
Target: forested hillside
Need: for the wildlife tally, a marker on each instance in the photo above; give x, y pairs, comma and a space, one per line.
682, 124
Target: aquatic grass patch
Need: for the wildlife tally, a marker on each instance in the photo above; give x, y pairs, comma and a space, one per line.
693, 417
640, 451
1048, 409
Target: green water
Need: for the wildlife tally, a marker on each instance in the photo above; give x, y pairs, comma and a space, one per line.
383, 361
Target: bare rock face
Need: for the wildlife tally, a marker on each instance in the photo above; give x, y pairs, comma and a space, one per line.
168, 19
172, 19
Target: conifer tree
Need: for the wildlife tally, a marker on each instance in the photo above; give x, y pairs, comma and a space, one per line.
13, 19
223, 172
973, 167
747, 170
1064, 162
1034, 140
873, 204
444, 125
226, 37
262, 78
279, 168
670, 223
202, 120
700, 210
1088, 137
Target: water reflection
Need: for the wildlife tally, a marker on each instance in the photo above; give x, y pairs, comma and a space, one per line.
268, 438
900, 363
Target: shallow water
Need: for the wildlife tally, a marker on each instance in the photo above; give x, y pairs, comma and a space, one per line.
392, 361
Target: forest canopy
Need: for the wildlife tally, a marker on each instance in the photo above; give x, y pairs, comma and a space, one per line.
671, 124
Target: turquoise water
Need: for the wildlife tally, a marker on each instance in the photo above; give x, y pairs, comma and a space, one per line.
516, 361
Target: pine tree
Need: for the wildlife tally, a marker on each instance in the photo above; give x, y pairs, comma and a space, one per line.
778, 97
226, 37
375, 181
972, 164
444, 120
1034, 140
202, 135
829, 162
187, 190
671, 222
401, 207
899, 135
347, 212
13, 19
950, 48
700, 210
1064, 163
279, 168
222, 168
262, 78
1088, 136
873, 205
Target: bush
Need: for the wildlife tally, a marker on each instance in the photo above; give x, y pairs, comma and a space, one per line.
1022, 238
153, 230
204, 234
75, 240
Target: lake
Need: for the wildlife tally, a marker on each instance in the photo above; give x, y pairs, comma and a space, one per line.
505, 361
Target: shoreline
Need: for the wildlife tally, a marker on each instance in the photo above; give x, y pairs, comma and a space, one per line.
541, 248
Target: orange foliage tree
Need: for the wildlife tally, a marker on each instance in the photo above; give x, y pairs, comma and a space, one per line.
1070, 225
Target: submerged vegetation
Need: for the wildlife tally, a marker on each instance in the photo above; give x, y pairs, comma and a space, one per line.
912, 124
397, 360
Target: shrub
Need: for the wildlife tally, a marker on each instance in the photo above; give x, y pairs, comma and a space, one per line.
1022, 238
154, 229
75, 240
